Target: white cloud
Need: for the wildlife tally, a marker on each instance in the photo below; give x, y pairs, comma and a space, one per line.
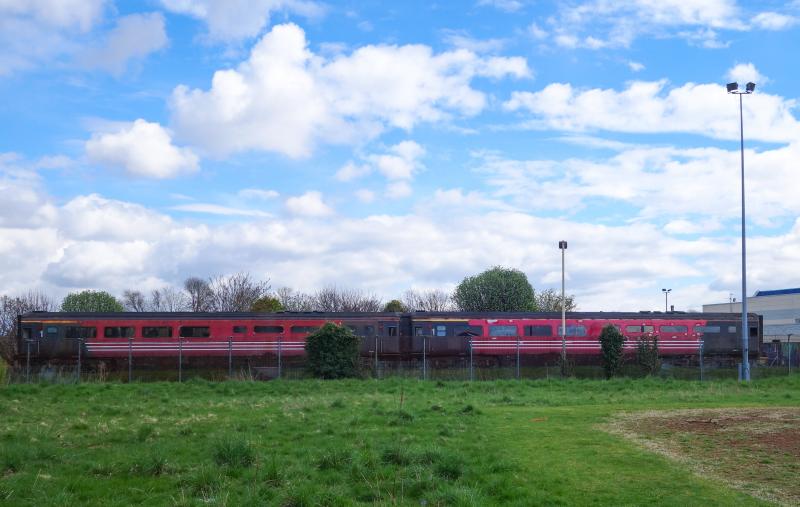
351, 171
78, 14
365, 195
636, 66
310, 204
461, 39
216, 209
286, 99
537, 32
134, 37
398, 189
401, 162
773, 21
93, 217
746, 72
503, 5
231, 21
258, 193
651, 107
142, 149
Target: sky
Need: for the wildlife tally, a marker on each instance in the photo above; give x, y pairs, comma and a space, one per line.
404, 145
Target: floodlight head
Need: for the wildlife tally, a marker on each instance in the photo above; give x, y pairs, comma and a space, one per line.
562, 245
750, 87
732, 87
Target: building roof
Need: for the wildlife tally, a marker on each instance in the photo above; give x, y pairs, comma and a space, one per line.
778, 292
781, 330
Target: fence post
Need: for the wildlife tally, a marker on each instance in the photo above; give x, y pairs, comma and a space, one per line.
517, 357
471, 372
79, 359
180, 359
280, 354
130, 359
28, 362
376, 357
230, 357
701, 360
424, 361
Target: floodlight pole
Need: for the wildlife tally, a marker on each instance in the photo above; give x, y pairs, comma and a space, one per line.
562, 245
666, 298
734, 89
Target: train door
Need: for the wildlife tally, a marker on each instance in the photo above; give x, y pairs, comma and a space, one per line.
29, 338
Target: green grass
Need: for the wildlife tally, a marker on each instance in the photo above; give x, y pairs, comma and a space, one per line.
343, 442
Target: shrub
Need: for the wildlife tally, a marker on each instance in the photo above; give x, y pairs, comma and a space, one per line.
611, 349
332, 352
647, 354
234, 453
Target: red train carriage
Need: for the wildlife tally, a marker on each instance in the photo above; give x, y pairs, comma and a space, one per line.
392, 336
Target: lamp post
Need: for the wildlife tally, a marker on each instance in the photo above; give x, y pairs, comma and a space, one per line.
666, 297
562, 245
734, 89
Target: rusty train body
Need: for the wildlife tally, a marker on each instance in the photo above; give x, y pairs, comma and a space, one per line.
45, 337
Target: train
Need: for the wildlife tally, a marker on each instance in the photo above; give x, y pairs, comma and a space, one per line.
388, 336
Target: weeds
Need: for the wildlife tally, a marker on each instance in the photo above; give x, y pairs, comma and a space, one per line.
234, 452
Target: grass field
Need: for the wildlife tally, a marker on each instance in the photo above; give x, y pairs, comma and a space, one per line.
388, 442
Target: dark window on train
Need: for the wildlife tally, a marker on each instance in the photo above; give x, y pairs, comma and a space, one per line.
439, 330
538, 331
119, 332
302, 329
753, 332
369, 330
195, 331
673, 329
467, 330
732, 329
417, 330
391, 330
279, 329
156, 332
80, 332
573, 330
706, 329
52, 330
503, 331
639, 329
240, 329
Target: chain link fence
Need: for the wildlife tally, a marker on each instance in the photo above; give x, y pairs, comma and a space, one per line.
231, 359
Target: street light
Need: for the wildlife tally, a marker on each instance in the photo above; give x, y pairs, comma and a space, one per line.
666, 295
562, 245
734, 89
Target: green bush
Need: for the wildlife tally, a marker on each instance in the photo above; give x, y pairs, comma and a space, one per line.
647, 354
332, 352
611, 350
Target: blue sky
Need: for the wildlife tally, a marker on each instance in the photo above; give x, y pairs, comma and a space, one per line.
319, 143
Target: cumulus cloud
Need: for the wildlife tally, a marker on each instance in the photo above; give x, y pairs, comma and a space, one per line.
141, 148
134, 37
216, 209
231, 21
258, 193
286, 99
351, 171
744, 73
774, 21
310, 204
652, 107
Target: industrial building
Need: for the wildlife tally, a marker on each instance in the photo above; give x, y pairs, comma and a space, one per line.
779, 308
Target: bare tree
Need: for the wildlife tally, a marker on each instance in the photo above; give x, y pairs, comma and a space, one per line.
134, 301
168, 299
237, 293
293, 301
435, 300
549, 300
201, 297
334, 299
10, 308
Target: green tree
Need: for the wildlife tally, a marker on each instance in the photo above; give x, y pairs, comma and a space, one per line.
395, 305
497, 289
611, 350
647, 354
91, 301
549, 300
332, 352
266, 304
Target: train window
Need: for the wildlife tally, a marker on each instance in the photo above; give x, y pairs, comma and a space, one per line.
732, 329
674, 329
503, 331
303, 329
391, 330
52, 330
573, 330
468, 330
118, 332
633, 329
705, 329
81, 332
417, 330
156, 332
195, 331
753, 332
279, 329
440, 330
240, 329
369, 330
538, 331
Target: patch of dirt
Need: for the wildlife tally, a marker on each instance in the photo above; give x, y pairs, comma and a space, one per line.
756, 450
